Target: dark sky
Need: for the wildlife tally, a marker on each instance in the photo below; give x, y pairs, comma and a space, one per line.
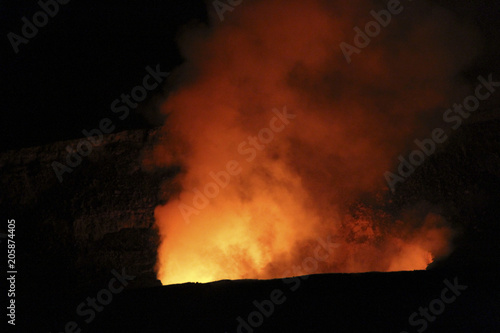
65, 78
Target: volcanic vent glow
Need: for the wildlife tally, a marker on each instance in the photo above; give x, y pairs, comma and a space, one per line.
284, 145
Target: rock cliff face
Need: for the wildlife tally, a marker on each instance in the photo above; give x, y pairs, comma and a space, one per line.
462, 178
99, 218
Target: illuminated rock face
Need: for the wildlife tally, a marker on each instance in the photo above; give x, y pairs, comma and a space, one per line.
463, 179
99, 218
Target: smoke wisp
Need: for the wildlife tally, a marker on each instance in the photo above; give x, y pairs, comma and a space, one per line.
279, 138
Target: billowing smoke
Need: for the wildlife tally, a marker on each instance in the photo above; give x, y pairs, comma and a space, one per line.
284, 137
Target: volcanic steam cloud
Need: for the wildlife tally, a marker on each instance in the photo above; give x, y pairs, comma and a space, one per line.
283, 144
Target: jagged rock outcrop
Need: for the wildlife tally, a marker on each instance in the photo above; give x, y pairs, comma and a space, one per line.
99, 218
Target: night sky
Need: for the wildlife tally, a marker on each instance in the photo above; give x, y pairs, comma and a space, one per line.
66, 77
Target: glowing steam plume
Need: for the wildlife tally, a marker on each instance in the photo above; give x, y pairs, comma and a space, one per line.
279, 137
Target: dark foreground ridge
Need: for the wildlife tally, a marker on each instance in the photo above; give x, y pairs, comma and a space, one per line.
436, 301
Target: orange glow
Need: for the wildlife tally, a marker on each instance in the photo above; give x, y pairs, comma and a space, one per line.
293, 192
